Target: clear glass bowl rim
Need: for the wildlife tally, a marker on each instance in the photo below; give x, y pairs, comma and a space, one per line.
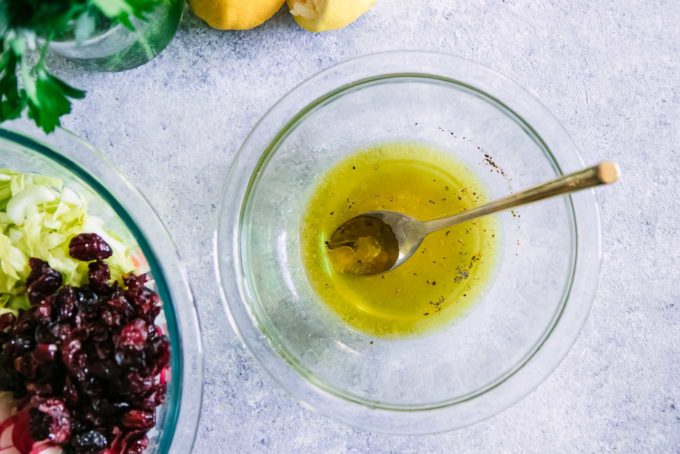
261, 144
90, 166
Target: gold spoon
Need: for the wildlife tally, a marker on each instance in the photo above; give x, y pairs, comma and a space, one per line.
383, 240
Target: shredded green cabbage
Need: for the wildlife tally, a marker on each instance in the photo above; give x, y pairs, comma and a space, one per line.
38, 218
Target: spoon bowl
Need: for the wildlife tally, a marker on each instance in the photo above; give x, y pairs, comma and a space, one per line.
399, 236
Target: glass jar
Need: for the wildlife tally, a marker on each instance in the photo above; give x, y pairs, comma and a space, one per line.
113, 47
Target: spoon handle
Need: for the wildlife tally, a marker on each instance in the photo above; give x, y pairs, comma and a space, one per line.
606, 172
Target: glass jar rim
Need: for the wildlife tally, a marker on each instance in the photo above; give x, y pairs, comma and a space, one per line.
93, 39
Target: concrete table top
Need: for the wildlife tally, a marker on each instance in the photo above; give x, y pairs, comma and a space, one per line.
609, 71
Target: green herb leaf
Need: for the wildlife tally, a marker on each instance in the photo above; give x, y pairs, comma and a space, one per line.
51, 100
11, 100
22, 86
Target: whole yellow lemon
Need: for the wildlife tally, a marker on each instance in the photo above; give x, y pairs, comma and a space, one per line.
235, 14
325, 15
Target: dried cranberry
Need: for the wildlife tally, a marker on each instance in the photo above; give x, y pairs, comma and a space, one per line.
43, 311
42, 390
106, 369
66, 303
78, 426
92, 387
99, 276
103, 350
120, 407
103, 407
6, 321
135, 282
71, 393
61, 331
87, 302
139, 384
137, 445
42, 281
40, 424
155, 398
139, 419
159, 350
20, 345
44, 353
146, 302
25, 322
50, 419
26, 366
70, 349
133, 335
89, 442
99, 333
111, 318
44, 333
88, 247
119, 304
93, 419
132, 359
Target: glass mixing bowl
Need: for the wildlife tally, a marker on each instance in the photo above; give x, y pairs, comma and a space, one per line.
511, 339
125, 211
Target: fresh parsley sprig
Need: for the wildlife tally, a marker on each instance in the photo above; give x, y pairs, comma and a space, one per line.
28, 26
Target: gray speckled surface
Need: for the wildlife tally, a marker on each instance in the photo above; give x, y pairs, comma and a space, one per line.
609, 71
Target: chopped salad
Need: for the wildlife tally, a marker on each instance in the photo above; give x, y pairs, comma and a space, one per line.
83, 364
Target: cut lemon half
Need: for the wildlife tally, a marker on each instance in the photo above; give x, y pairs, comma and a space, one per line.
325, 15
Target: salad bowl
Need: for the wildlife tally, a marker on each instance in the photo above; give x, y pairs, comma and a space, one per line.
123, 210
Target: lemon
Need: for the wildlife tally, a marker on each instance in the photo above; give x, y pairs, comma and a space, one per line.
235, 14
324, 15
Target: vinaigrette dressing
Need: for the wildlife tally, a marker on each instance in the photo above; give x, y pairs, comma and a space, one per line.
449, 271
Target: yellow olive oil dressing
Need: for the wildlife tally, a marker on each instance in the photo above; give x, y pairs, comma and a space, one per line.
449, 271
